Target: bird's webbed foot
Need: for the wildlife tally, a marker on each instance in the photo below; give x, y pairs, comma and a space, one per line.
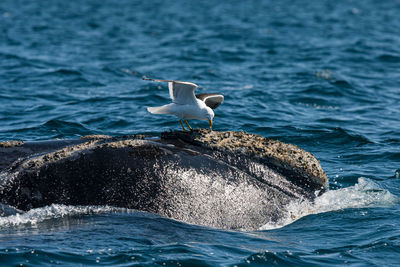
188, 125
180, 121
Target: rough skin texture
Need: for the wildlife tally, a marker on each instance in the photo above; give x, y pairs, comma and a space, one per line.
11, 143
282, 155
230, 180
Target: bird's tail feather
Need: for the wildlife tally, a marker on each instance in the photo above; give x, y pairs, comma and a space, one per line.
159, 110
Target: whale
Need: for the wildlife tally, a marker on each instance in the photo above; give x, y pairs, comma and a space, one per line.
228, 180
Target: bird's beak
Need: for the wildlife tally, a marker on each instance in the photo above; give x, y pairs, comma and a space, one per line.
210, 121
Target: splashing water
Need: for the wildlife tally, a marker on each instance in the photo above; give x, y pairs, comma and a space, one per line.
364, 194
54, 211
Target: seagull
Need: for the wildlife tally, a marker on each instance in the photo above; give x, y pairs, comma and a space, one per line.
186, 105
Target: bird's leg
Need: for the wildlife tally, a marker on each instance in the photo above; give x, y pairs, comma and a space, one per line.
182, 125
188, 125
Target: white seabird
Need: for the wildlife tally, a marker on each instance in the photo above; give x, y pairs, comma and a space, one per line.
186, 105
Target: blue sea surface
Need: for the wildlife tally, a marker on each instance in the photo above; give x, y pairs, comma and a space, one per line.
323, 75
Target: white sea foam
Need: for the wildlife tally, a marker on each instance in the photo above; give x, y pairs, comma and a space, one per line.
54, 211
364, 194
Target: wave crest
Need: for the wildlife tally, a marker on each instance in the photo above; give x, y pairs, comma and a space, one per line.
364, 194
54, 211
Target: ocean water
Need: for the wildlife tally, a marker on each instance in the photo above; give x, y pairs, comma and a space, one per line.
323, 75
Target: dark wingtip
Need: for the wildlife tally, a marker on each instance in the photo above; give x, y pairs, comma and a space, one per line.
210, 104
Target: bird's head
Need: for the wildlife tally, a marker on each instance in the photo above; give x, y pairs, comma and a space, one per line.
210, 116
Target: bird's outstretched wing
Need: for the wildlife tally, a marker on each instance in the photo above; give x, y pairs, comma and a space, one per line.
180, 92
211, 100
